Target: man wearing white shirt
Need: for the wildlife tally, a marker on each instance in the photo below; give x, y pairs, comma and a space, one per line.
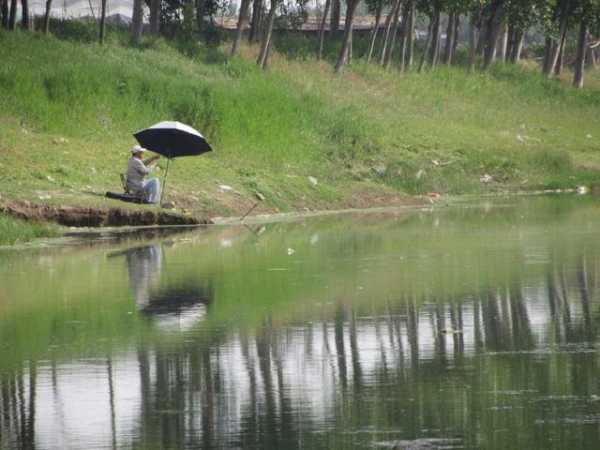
137, 169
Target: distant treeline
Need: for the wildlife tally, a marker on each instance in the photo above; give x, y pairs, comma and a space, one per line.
495, 29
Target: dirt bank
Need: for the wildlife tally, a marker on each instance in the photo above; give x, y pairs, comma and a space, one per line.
95, 217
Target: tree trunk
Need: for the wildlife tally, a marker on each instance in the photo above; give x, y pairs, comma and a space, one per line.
510, 41
481, 34
504, 44
154, 17
334, 23
266, 40
102, 22
405, 30
12, 19
343, 56
580, 58
517, 46
322, 29
5, 13
447, 59
25, 14
456, 36
427, 45
375, 31
257, 7
47, 16
137, 21
410, 36
592, 58
473, 41
393, 37
493, 30
200, 8
547, 55
388, 29
435, 40
350, 46
242, 19
557, 48
558, 65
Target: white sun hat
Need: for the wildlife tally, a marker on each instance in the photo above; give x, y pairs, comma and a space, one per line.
137, 149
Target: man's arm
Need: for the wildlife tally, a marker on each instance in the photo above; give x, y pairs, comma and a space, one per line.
141, 168
151, 160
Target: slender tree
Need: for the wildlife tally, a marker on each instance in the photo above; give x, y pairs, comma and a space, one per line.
242, 19
474, 27
265, 45
25, 14
494, 24
450, 37
137, 17
12, 19
516, 46
155, 17
504, 42
456, 36
427, 45
404, 35
409, 49
47, 16
546, 62
564, 10
102, 21
322, 29
558, 64
334, 23
255, 22
200, 6
579, 71
376, 7
435, 38
394, 34
343, 55
5, 13
389, 21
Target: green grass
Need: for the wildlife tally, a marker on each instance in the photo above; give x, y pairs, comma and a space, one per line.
14, 231
66, 122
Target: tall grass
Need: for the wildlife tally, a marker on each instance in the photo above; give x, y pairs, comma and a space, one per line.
13, 231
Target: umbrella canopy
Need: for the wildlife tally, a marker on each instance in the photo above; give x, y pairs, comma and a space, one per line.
173, 139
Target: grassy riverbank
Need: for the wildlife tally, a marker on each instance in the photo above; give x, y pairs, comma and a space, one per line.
297, 135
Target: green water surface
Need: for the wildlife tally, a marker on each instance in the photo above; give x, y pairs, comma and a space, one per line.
466, 327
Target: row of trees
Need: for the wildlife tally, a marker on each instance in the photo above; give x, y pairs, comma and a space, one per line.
496, 28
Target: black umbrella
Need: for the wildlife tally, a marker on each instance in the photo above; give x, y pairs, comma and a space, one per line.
172, 139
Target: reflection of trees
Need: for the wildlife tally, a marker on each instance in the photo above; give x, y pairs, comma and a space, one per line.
417, 365
18, 413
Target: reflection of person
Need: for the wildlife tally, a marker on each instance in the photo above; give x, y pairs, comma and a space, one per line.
137, 169
144, 265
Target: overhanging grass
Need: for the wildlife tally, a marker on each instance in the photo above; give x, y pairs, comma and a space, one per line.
13, 231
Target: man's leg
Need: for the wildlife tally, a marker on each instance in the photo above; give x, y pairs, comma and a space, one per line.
152, 190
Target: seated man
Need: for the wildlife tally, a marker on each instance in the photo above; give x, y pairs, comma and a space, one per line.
137, 169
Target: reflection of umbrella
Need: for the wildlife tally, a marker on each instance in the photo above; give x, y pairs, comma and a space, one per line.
172, 139
178, 308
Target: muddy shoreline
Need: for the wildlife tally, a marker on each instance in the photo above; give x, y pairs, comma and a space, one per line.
89, 223
73, 216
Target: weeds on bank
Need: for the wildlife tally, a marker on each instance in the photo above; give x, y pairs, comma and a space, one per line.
14, 231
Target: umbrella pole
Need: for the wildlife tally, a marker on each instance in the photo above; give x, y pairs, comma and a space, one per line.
164, 186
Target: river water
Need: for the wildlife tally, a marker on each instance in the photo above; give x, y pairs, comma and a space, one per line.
467, 327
